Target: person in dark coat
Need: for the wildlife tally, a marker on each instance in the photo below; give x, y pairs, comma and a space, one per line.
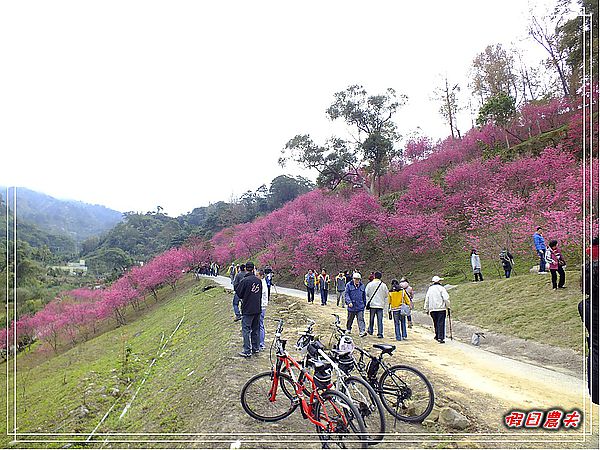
507, 261
236, 300
249, 290
588, 310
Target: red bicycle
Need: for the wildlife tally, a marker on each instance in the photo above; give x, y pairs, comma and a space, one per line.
275, 394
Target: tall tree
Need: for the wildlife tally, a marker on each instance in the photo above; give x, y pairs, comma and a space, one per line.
448, 101
493, 73
571, 40
373, 146
543, 30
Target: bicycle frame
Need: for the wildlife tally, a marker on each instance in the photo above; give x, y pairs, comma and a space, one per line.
306, 404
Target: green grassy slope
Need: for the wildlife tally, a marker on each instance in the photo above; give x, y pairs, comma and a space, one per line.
52, 396
524, 306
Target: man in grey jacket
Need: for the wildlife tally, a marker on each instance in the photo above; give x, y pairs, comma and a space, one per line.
377, 299
437, 301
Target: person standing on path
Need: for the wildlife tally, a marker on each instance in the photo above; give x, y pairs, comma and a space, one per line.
263, 276
236, 300
540, 248
355, 298
376, 293
397, 298
323, 283
556, 263
411, 294
476, 265
340, 286
437, 301
269, 279
249, 290
310, 282
232, 272
507, 261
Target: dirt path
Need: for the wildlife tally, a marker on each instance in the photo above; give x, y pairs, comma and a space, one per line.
482, 385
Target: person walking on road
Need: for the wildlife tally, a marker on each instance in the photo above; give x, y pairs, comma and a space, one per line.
437, 301
340, 286
310, 281
236, 300
355, 299
411, 294
556, 263
232, 272
323, 282
249, 290
540, 248
377, 299
400, 303
263, 276
476, 265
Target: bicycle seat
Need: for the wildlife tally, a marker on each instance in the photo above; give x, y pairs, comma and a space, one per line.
385, 348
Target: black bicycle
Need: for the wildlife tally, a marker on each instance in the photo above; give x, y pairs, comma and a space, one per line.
405, 392
355, 388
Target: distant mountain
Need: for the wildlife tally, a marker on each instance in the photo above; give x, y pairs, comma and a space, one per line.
74, 219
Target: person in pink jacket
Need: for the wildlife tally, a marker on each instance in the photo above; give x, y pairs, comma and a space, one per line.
556, 264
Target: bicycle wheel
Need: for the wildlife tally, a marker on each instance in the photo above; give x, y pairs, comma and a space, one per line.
406, 393
344, 425
369, 407
256, 397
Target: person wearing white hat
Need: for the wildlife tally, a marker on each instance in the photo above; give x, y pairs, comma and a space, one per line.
356, 300
437, 301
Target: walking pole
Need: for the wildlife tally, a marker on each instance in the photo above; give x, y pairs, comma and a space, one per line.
450, 325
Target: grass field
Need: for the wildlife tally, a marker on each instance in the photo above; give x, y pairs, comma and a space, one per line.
71, 392
524, 306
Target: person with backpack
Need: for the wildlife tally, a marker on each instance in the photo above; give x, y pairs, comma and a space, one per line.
323, 282
506, 259
399, 306
355, 298
556, 263
340, 286
437, 302
411, 294
476, 265
377, 295
236, 300
310, 282
249, 290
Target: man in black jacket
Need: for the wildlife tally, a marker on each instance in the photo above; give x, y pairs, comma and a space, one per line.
249, 290
588, 310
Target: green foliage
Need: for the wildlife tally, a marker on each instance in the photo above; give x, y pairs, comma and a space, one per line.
498, 109
340, 161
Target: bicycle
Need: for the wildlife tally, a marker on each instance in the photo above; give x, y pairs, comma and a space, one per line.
336, 418
405, 392
358, 390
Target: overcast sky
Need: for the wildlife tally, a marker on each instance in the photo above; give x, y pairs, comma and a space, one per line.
134, 104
